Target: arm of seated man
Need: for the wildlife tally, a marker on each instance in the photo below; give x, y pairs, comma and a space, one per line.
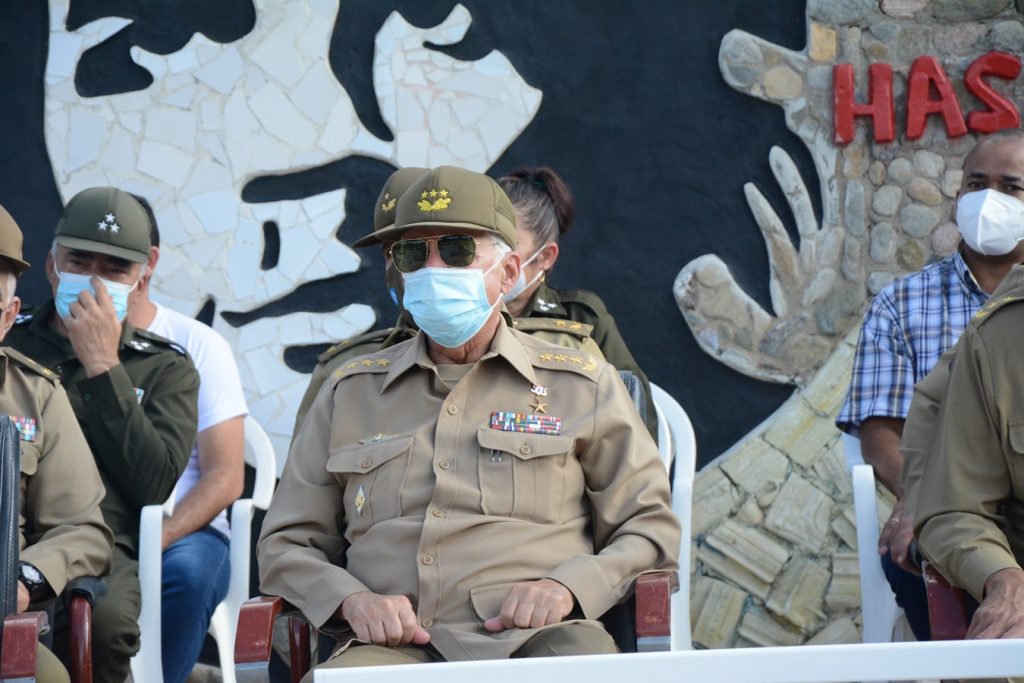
880, 446
221, 461
1001, 614
387, 620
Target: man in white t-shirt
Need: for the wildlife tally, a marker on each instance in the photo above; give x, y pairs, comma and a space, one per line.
196, 565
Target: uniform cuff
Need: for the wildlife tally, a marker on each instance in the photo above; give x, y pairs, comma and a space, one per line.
978, 566
587, 583
51, 564
336, 584
106, 390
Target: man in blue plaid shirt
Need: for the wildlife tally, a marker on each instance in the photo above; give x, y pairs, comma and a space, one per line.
908, 326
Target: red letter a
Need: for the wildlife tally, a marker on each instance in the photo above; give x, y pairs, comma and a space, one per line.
923, 73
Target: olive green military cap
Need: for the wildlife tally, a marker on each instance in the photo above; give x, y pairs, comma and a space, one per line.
450, 197
387, 202
106, 220
10, 242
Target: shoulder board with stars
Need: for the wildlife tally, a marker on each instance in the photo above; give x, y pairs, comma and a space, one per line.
147, 342
529, 325
567, 359
993, 305
374, 336
27, 363
361, 365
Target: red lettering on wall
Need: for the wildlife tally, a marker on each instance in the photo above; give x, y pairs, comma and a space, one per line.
879, 106
924, 73
1001, 113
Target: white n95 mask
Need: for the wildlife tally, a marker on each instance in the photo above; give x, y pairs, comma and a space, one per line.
991, 222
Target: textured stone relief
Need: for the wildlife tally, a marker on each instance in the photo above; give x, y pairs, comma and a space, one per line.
773, 516
218, 116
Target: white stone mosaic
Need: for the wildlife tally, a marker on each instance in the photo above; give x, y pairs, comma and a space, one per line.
218, 116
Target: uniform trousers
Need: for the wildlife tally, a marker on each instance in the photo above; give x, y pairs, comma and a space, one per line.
48, 667
558, 641
115, 622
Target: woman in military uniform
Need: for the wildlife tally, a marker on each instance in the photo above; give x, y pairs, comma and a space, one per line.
545, 210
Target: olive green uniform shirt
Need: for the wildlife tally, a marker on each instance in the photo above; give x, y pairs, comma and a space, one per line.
61, 529
969, 514
139, 418
583, 306
407, 484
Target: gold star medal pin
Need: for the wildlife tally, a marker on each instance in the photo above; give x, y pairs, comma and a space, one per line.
538, 405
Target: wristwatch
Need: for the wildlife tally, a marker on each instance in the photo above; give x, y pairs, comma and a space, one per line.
33, 579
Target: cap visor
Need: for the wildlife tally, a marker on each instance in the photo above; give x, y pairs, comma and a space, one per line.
102, 248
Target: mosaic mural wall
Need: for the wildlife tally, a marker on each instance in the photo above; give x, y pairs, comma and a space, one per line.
259, 129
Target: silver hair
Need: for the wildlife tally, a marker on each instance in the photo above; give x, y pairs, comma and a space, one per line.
8, 284
501, 247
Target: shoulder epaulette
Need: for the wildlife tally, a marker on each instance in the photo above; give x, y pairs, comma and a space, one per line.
377, 336
373, 363
551, 357
32, 366
535, 324
993, 305
583, 297
153, 343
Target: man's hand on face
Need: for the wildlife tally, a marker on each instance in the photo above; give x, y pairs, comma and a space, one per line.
896, 537
1001, 614
23, 597
532, 604
94, 330
387, 620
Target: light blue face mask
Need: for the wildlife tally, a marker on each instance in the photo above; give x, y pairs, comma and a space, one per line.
73, 284
449, 304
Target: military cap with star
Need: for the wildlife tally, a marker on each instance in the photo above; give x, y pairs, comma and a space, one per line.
106, 220
387, 202
451, 197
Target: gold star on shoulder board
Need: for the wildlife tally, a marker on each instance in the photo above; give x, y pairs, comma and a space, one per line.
383, 362
367, 362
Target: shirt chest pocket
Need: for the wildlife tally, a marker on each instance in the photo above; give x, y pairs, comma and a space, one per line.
372, 476
29, 466
529, 476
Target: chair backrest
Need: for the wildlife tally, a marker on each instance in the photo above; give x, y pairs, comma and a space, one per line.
878, 603
10, 491
851, 451
684, 455
259, 454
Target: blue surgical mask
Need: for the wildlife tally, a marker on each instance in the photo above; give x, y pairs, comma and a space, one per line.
73, 284
521, 284
449, 304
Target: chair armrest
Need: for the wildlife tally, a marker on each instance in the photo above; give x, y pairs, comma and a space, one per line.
947, 606
91, 588
653, 610
21, 637
255, 635
80, 604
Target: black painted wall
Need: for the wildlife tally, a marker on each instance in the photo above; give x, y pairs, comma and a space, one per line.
635, 115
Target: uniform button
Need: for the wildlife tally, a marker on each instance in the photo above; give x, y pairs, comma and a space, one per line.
366, 463
444, 464
87, 397
525, 449
427, 623
452, 410
428, 559
438, 512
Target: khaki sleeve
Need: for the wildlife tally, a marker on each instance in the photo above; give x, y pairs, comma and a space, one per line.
920, 426
303, 533
316, 380
966, 477
65, 533
635, 530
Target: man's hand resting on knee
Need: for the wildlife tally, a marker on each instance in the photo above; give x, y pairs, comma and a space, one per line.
387, 620
532, 604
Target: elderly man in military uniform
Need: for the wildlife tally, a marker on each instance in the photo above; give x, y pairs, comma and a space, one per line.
134, 393
969, 514
61, 532
491, 494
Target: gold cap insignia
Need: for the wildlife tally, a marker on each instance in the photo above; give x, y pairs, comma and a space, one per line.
434, 200
389, 203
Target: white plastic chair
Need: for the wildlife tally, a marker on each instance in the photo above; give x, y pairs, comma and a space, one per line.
146, 664
878, 602
684, 454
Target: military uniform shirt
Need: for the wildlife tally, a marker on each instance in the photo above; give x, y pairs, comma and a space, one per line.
61, 529
407, 484
969, 515
139, 418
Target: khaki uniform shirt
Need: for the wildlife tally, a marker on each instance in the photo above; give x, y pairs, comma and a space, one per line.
61, 529
969, 515
399, 486
571, 335
139, 418
583, 306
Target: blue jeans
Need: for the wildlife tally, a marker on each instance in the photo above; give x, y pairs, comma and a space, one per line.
196, 571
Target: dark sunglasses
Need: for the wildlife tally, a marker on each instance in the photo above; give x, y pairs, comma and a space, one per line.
457, 251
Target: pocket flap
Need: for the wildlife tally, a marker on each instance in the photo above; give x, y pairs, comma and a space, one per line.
525, 446
29, 459
1016, 430
360, 458
487, 599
